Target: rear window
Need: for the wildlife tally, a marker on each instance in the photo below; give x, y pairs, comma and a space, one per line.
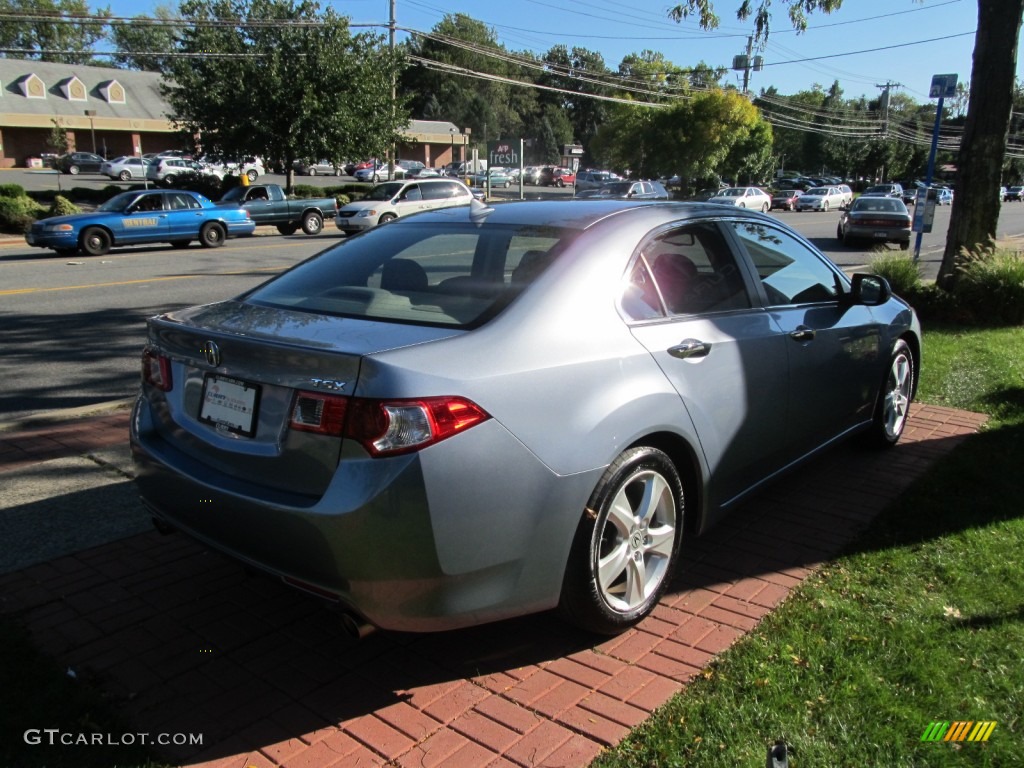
446, 274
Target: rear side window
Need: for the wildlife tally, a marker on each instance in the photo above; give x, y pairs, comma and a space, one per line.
431, 274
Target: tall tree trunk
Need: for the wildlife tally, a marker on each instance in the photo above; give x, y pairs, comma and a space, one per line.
976, 204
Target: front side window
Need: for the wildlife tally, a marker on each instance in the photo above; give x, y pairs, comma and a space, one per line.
790, 272
689, 270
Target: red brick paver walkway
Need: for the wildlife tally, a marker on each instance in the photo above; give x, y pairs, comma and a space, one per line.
191, 644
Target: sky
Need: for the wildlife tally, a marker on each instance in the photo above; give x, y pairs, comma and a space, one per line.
865, 44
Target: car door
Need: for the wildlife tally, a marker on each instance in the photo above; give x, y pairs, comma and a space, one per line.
145, 220
834, 347
689, 303
184, 216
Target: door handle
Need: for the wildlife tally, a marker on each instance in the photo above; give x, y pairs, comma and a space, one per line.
802, 334
690, 348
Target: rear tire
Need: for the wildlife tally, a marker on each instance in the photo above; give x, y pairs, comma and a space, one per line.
253, 175
311, 171
312, 223
626, 544
904, 246
73, 170
764, 208
211, 235
287, 229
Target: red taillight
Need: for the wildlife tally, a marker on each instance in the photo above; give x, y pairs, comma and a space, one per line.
386, 427
156, 370
319, 413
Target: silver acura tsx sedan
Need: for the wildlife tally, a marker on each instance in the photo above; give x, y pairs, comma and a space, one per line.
481, 412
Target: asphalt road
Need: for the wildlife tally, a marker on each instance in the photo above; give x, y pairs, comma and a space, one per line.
72, 329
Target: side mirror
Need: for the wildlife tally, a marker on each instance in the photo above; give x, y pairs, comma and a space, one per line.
870, 290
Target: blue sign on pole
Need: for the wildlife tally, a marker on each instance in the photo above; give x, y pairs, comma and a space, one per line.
943, 87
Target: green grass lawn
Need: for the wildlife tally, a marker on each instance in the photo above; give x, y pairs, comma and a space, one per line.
921, 620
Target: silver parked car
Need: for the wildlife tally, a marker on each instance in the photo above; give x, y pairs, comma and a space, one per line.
125, 168
475, 413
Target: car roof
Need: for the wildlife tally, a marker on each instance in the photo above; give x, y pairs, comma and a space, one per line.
580, 213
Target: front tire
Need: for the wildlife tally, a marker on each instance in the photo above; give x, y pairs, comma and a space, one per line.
211, 235
312, 223
385, 218
626, 545
124, 175
894, 398
253, 175
95, 241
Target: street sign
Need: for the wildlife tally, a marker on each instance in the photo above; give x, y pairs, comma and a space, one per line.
943, 87
502, 153
572, 149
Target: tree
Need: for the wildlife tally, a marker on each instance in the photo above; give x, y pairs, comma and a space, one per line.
25, 27
460, 74
283, 82
975, 213
576, 71
144, 42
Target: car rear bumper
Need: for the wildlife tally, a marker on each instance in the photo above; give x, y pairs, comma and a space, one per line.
395, 540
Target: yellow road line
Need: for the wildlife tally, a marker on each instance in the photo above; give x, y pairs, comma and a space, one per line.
16, 291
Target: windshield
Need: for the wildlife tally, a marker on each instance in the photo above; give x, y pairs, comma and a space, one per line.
445, 274
616, 188
385, 191
118, 203
817, 191
734, 192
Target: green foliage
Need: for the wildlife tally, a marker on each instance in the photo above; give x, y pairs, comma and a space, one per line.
292, 63
991, 287
55, 40
62, 207
140, 45
12, 190
902, 272
18, 213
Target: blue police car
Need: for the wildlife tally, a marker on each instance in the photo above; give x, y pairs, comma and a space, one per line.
131, 218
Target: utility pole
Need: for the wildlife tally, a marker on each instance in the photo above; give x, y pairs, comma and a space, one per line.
748, 62
394, 85
883, 104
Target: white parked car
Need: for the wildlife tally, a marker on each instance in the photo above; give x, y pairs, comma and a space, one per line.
821, 199
744, 197
393, 199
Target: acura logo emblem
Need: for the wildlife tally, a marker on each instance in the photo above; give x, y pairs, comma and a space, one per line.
211, 352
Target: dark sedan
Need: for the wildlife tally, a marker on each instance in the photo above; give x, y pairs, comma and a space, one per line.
785, 199
79, 162
879, 219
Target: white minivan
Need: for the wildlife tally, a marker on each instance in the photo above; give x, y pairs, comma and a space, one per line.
394, 199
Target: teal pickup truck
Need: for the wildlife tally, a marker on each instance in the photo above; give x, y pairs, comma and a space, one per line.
267, 204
